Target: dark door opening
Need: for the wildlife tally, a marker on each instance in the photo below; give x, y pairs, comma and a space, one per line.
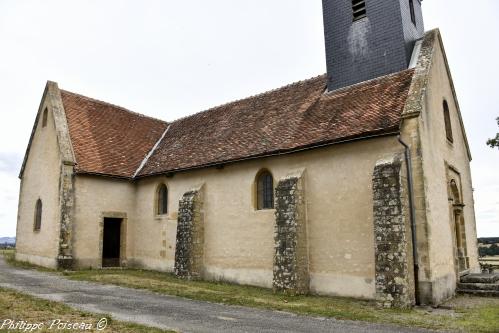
111, 243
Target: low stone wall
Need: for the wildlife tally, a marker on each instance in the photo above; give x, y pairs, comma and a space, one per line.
391, 263
291, 273
189, 251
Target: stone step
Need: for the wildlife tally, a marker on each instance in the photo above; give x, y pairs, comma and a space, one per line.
483, 293
478, 286
480, 278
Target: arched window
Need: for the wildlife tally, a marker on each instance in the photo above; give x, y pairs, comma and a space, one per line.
265, 190
44, 117
38, 215
162, 204
448, 125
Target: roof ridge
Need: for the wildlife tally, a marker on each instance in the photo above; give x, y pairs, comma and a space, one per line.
289, 85
112, 105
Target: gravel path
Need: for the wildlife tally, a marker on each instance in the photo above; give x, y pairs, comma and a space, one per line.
172, 313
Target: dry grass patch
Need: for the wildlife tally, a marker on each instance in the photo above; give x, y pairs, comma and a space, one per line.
19, 307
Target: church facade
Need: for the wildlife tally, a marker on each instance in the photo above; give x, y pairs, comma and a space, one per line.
355, 183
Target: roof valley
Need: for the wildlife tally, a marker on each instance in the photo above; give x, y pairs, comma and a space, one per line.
151, 152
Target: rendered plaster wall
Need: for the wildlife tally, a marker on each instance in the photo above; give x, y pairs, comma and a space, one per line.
434, 157
239, 240
95, 199
40, 181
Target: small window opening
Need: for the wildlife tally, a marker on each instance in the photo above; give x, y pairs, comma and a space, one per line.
38, 215
413, 13
265, 191
162, 208
45, 116
448, 125
359, 9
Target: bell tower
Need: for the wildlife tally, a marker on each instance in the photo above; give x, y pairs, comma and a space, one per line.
366, 39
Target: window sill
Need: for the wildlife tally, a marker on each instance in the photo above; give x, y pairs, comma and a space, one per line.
165, 217
265, 210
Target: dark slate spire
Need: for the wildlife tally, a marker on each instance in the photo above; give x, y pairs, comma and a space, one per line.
366, 39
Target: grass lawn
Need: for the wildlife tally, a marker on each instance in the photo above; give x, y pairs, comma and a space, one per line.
463, 314
19, 307
466, 314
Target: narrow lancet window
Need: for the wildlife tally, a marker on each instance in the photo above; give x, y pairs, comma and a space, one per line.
448, 125
265, 191
38, 215
162, 200
44, 117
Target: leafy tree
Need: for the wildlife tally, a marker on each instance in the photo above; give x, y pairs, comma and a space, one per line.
494, 142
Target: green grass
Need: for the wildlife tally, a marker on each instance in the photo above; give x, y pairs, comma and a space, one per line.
20, 307
466, 314
463, 314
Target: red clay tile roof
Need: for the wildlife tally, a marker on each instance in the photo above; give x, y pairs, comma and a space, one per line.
110, 140
107, 139
294, 117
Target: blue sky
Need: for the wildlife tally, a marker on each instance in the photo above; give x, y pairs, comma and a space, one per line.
168, 59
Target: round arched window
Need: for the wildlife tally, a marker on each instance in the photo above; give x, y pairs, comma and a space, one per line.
265, 190
162, 204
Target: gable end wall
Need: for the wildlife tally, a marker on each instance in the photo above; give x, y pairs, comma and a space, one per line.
40, 179
433, 158
439, 156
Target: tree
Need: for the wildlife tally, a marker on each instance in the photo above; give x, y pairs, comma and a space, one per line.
494, 142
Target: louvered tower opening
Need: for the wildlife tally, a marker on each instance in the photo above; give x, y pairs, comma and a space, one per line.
359, 9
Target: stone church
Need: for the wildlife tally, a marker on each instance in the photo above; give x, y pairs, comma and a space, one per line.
354, 183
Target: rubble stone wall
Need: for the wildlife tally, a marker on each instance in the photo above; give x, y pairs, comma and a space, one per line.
391, 262
189, 250
291, 271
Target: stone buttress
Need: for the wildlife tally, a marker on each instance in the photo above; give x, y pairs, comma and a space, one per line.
291, 271
390, 235
189, 251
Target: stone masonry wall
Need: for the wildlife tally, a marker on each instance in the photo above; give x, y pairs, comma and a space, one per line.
190, 237
392, 273
66, 180
291, 274
65, 256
